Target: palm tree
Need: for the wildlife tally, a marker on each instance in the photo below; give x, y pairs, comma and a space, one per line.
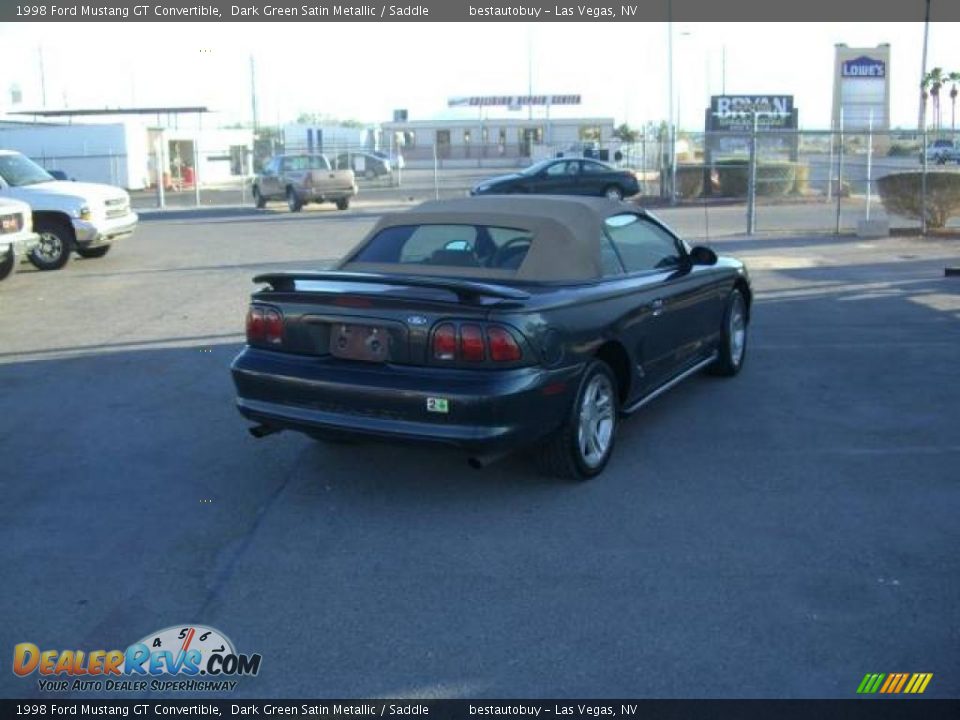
934, 81
953, 78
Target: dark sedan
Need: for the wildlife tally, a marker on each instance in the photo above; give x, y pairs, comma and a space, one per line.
564, 176
492, 324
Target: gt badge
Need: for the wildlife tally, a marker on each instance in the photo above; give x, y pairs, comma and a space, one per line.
438, 405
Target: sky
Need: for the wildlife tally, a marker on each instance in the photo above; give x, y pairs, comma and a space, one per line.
364, 71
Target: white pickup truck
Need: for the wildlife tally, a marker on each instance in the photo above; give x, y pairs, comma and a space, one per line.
68, 216
16, 235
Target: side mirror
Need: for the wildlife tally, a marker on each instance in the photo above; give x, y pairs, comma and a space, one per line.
702, 255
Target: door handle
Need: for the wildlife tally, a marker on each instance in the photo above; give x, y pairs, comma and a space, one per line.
656, 307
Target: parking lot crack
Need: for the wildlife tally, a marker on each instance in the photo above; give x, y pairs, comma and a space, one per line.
234, 553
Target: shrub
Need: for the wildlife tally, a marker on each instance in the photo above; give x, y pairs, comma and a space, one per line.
689, 181
773, 179
902, 150
901, 193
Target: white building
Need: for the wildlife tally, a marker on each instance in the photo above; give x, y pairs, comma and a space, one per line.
125, 153
114, 153
506, 142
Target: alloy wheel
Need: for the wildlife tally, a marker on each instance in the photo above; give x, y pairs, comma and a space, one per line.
595, 430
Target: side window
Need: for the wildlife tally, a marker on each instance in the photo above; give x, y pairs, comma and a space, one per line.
592, 168
641, 244
609, 260
556, 170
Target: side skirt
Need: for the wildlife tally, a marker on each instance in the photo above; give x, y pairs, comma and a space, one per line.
636, 405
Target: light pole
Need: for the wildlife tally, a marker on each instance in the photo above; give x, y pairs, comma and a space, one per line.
723, 85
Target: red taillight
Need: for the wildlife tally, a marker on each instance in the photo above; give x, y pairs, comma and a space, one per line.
503, 346
445, 342
471, 343
264, 326
254, 325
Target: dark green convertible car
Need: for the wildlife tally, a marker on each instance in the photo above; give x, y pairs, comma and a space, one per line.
492, 324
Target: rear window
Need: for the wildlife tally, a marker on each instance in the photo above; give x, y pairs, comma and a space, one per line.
299, 163
465, 246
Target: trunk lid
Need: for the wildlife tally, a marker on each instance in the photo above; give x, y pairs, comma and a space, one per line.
360, 317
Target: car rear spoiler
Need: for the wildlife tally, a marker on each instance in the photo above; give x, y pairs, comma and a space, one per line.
467, 291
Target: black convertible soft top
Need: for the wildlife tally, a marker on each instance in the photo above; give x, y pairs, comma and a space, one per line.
566, 234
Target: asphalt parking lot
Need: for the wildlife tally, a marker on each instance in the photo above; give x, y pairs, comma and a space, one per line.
776, 535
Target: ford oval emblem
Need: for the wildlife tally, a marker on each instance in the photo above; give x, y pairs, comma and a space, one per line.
416, 320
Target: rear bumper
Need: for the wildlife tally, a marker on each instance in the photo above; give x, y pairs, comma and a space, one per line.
488, 411
318, 194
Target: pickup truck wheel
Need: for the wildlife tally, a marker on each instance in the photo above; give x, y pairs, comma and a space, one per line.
56, 242
293, 201
343, 203
733, 337
582, 446
259, 200
97, 252
8, 265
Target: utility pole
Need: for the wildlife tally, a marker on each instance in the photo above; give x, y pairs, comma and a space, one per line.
43, 78
529, 73
922, 116
253, 91
923, 122
672, 140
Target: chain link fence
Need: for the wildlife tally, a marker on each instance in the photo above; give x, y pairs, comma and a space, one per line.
738, 183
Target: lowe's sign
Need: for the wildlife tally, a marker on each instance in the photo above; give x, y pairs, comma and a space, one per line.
864, 67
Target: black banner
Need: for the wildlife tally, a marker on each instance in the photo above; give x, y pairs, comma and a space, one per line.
858, 709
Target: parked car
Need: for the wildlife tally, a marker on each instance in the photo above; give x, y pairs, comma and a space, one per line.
68, 216
366, 164
564, 176
396, 159
16, 235
492, 324
302, 179
942, 151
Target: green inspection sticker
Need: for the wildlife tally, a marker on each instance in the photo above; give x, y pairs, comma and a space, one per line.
438, 405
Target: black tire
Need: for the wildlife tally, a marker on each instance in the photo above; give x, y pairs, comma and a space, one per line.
613, 192
8, 265
259, 200
97, 252
730, 361
294, 202
343, 203
562, 454
56, 242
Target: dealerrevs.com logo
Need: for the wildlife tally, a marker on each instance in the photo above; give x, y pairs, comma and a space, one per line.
178, 658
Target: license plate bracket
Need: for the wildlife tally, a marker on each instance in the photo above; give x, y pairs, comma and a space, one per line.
369, 343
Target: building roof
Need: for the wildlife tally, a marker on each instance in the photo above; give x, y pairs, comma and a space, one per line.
175, 110
566, 234
494, 121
